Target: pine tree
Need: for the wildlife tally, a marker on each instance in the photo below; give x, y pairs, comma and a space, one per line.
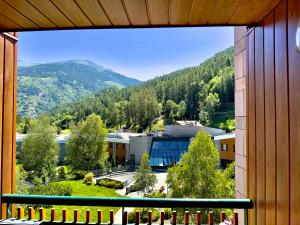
144, 178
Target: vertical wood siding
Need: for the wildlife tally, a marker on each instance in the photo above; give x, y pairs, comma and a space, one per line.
273, 115
8, 57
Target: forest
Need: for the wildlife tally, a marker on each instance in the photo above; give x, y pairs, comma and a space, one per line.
204, 93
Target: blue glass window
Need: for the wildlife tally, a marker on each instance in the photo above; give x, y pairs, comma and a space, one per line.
167, 151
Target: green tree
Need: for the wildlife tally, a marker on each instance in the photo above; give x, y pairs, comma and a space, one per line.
197, 174
39, 149
87, 149
144, 108
144, 178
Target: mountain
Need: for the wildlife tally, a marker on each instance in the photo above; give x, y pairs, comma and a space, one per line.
44, 86
204, 92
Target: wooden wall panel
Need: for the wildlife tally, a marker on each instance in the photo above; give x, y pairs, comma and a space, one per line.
270, 128
8, 60
260, 125
274, 116
251, 124
282, 114
294, 107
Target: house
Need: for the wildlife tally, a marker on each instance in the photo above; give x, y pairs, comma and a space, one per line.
267, 84
225, 143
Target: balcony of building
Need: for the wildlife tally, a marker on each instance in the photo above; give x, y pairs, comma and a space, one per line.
267, 84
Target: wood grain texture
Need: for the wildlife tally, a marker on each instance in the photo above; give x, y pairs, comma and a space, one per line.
51, 14
31, 13
94, 12
180, 11
111, 7
7, 120
73, 12
251, 125
48, 9
15, 16
1, 105
158, 11
260, 125
270, 125
294, 107
6, 23
282, 114
137, 12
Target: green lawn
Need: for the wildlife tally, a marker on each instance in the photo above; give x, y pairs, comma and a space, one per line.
81, 189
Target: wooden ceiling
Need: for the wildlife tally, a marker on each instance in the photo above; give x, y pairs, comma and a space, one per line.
18, 15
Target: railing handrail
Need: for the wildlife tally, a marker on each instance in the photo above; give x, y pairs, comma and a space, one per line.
127, 202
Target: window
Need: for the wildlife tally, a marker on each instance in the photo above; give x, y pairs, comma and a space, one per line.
166, 152
224, 147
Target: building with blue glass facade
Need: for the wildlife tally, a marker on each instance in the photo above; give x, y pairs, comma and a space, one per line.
165, 152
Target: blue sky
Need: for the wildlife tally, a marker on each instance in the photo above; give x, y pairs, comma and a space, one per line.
138, 53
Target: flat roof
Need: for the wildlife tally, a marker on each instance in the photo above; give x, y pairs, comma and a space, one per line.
224, 136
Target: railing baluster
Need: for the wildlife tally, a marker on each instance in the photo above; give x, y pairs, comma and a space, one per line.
137, 217
8, 210
53, 214
149, 217
99, 214
111, 217
186, 217
198, 218
125, 218
20, 213
87, 216
64, 215
42, 214
210, 218
222, 216
246, 216
76, 216
31, 214
235, 218
162, 218
174, 218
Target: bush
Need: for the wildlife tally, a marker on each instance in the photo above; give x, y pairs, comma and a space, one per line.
79, 174
88, 179
111, 184
61, 173
50, 189
157, 195
144, 215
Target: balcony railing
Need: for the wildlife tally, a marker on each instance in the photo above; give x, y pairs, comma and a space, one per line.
10, 199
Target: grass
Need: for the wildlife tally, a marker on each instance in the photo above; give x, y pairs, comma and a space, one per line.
81, 189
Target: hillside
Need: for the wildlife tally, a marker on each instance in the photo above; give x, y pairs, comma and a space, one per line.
204, 92
44, 86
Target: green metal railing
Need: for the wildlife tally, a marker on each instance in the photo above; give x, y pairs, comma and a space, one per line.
10, 199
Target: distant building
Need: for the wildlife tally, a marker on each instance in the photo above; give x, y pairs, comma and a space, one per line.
165, 149
189, 128
60, 140
225, 143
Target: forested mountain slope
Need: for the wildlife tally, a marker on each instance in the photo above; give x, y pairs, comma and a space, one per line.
44, 86
204, 92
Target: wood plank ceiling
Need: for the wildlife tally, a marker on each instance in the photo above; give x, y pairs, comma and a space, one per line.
18, 15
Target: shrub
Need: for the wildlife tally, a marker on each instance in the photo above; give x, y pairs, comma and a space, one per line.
144, 215
111, 184
61, 173
50, 189
157, 195
88, 179
79, 174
